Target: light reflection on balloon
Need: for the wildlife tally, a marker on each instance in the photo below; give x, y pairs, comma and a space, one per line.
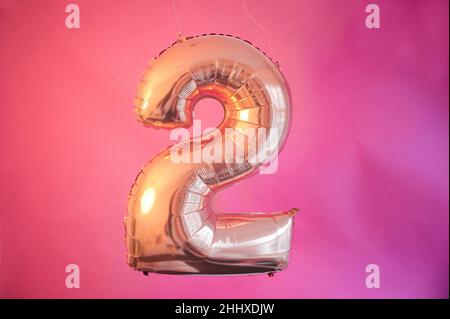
147, 200
171, 226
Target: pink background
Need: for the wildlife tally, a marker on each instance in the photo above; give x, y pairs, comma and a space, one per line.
366, 159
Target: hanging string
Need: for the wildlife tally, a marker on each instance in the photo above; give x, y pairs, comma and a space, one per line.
177, 18
269, 36
244, 6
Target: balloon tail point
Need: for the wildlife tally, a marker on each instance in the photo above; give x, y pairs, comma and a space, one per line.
293, 211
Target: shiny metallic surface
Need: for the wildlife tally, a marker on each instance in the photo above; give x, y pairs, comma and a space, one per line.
171, 225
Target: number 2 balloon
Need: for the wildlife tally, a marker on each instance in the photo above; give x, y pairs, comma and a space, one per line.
171, 225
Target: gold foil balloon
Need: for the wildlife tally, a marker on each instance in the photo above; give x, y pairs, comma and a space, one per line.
171, 225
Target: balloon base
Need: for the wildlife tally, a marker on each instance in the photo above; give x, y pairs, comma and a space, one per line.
204, 268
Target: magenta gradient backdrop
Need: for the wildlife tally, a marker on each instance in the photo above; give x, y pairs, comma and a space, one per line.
366, 159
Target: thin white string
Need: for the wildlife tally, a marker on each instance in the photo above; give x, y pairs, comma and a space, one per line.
269, 36
176, 17
244, 5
